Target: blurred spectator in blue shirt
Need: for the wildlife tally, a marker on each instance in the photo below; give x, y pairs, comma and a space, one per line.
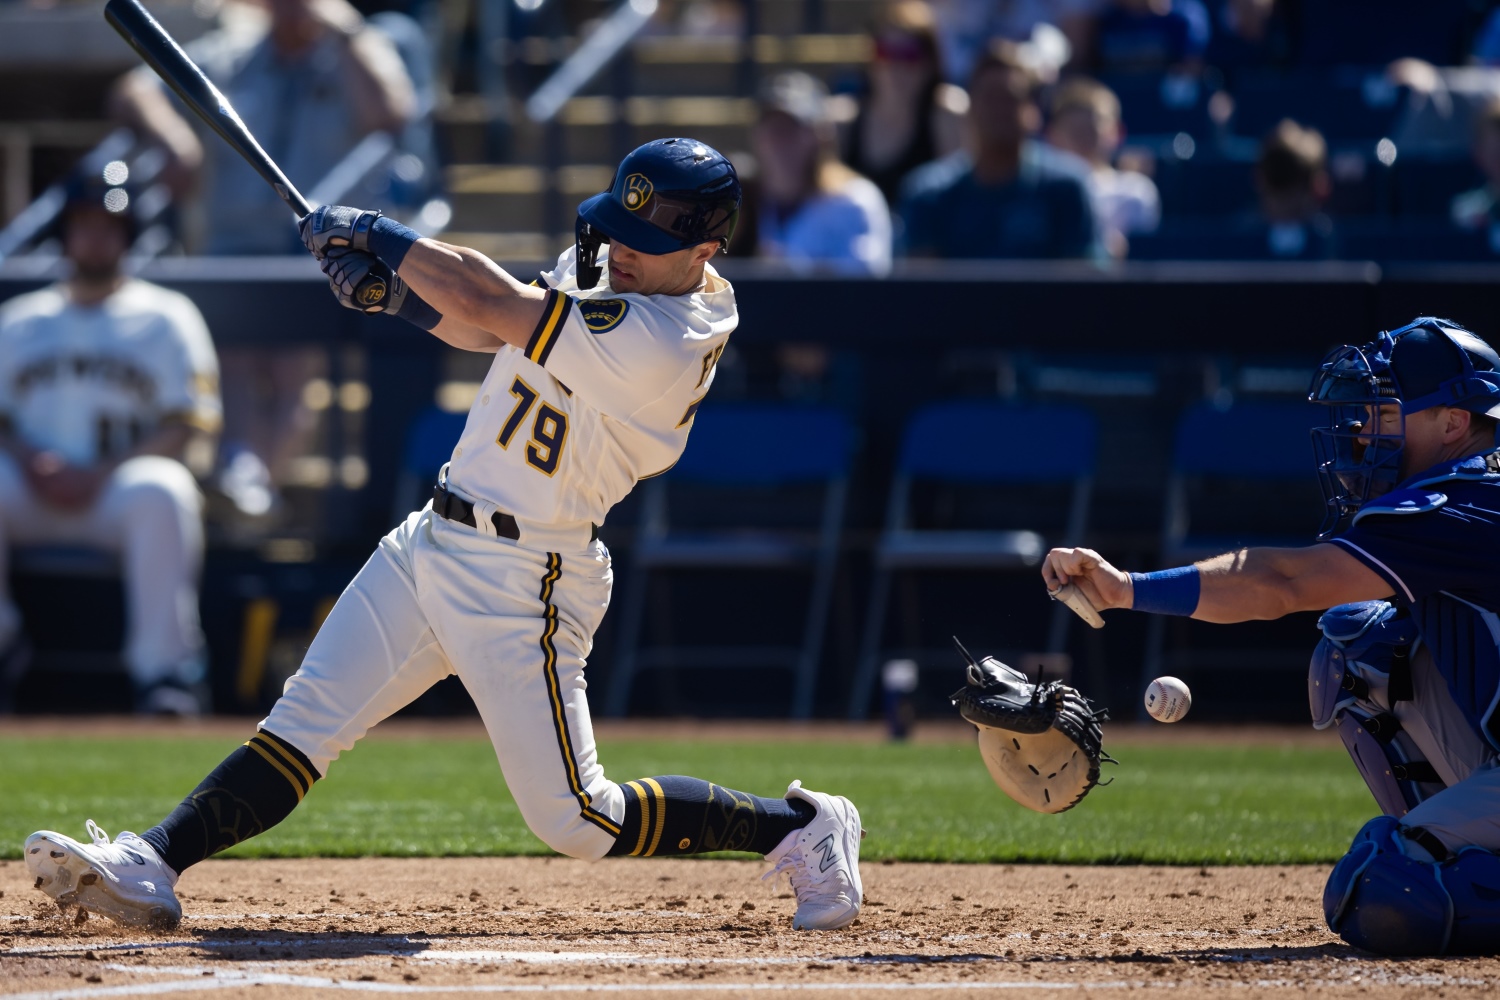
1010, 197
907, 115
1085, 121
813, 208
966, 27
1152, 36
1248, 35
1291, 180
1477, 209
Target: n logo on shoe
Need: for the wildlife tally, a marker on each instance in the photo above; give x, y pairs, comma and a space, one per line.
830, 856
135, 857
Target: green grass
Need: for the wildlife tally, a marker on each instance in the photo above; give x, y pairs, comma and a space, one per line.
1188, 804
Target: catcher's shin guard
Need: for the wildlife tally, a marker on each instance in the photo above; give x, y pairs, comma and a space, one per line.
1358, 671
1382, 900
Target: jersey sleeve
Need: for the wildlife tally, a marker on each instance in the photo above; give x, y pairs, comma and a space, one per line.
1449, 548
190, 369
618, 355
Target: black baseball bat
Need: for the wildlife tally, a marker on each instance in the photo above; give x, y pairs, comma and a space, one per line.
160, 51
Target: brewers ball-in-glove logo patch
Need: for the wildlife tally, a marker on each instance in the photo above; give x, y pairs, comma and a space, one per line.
603, 315
637, 191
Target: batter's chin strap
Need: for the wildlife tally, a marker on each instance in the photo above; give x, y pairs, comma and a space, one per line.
586, 244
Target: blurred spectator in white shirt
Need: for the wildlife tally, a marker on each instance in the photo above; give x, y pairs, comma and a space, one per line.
907, 115
813, 208
1085, 121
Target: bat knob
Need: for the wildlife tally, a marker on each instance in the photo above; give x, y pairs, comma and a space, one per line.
373, 290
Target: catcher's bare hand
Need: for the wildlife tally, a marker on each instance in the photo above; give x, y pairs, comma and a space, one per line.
1103, 585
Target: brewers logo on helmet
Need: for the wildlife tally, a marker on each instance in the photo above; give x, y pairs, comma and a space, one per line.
668, 195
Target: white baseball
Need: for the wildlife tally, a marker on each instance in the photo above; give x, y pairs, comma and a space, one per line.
1168, 699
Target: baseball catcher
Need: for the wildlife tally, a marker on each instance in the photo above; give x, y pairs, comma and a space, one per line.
1408, 670
502, 578
1041, 742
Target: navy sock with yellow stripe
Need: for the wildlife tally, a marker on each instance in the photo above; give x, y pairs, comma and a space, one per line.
678, 815
254, 788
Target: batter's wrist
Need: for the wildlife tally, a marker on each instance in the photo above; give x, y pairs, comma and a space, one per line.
390, 240
1167, 591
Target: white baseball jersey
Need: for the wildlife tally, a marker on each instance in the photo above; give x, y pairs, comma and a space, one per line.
603, 395
92, 382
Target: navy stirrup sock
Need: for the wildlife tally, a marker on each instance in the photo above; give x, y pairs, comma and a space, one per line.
678, 815
254, 788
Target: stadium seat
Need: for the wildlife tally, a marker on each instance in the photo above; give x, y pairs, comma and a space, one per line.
1241, 475
1343, 104
1155, 106
1417, 241
1426, 188
976, 443
1374, 32
429, 443
1206, 186
752, 463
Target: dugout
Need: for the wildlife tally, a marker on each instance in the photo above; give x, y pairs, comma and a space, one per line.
1138, 343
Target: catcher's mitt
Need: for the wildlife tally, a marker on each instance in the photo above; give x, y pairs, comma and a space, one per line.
1042, 742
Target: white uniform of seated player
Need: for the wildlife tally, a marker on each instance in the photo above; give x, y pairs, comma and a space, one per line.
102, 380
502, 580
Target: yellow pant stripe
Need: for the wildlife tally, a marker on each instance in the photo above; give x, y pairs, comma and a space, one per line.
296, 785
554, 694
661, 814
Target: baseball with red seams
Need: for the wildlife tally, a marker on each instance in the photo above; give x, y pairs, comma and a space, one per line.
1168, 699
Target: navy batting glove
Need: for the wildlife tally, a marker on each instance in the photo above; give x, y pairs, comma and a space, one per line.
330, 226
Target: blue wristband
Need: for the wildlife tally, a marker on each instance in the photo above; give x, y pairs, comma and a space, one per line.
389, 240
417, 312
1167, 591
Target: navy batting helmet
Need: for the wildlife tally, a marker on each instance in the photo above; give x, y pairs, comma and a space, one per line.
668, 195
1429, 362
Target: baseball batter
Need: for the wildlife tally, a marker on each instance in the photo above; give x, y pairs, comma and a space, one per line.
1409, 666
502, 579
102, 380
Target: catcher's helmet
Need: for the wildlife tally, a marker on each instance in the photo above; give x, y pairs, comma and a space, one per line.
668, 195
1429, 362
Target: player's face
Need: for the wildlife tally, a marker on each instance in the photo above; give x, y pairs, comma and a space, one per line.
657, 274
95, 241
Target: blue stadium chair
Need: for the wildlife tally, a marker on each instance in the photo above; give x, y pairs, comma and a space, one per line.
744, 448
1417, 241
976, 442
1343, 104
1374, 32
429, 443
1259, 456
1206, 186
1156, 106
1426, 187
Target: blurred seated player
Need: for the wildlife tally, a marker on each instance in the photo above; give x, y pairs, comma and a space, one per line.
103, 380
1010, 196
814, 210
908, 115
1152, 36
1292, 183
1408, 671
502, 579
310, 79
1477, 209
1085, 121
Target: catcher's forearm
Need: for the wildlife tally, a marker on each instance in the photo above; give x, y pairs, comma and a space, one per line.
1262, 583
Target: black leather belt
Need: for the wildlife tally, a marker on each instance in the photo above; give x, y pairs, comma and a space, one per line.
446, 503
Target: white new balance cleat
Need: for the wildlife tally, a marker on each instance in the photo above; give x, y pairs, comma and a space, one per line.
125, 881
822, 862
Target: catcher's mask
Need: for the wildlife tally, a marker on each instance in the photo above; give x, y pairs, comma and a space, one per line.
668, 195
1429, 362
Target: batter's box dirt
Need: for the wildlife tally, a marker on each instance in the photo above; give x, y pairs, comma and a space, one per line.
448, 926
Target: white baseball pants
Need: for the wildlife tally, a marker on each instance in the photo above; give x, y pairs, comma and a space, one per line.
514, 622
151, 513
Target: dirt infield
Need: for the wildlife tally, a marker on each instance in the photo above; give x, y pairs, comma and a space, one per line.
449, 926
